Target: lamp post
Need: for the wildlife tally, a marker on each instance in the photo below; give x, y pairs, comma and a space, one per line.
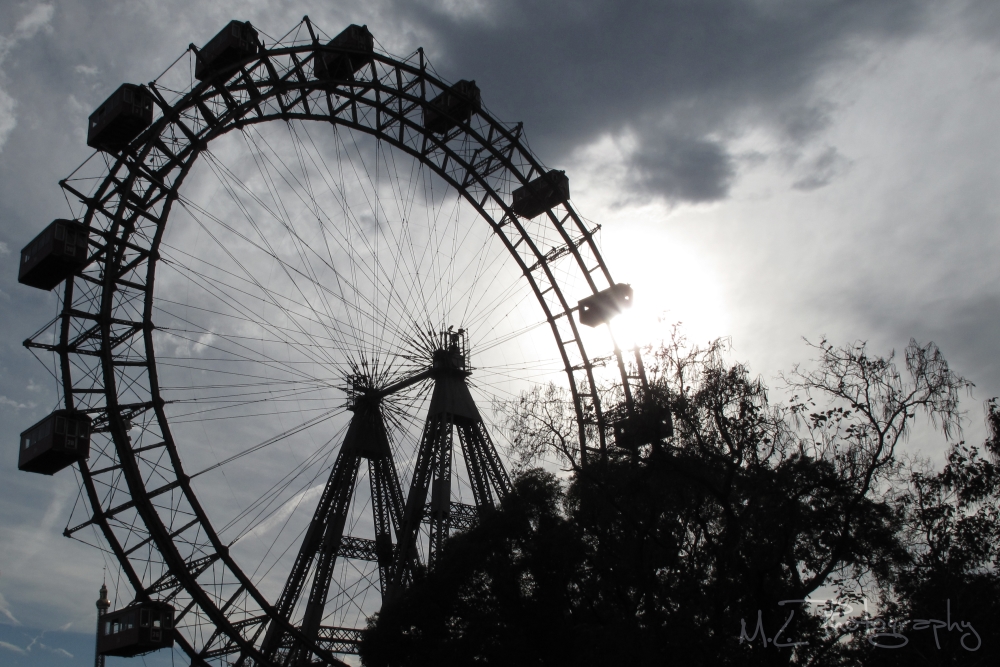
103, 604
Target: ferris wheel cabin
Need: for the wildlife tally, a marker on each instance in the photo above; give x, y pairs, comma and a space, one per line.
600, 308
139, 628
54, 255
541, 194
236, 42
58, 441
453, 106
121, 118
345, 54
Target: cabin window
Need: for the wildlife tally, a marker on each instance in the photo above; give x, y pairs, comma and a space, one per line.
156, 620
144, 618
128, 95
70, 428
167, 620
60, 232
236, 30
60, 425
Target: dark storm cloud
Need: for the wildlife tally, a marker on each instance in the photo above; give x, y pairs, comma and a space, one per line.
574, 71
680, 166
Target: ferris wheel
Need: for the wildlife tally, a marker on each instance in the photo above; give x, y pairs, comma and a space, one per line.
300, 281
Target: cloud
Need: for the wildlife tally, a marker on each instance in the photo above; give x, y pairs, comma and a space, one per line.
14, 404
8, 121
281, 516
821, 170
12, 647
61, 652
4, 250
681, 168
708, 71
88, 70
38, 18
35, 646
6, 612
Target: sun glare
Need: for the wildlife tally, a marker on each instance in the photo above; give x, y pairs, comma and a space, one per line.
672, 284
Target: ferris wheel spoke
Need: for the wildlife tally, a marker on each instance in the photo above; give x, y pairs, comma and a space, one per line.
290, 269
276, 299
272, 299
309, 423
265, 507
288, 175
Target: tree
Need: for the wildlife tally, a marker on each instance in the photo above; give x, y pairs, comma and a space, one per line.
505, 592
951, 526
690, 548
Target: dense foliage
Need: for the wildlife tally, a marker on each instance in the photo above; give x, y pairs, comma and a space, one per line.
701, 548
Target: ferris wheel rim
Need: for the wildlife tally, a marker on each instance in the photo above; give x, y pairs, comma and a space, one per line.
117, 412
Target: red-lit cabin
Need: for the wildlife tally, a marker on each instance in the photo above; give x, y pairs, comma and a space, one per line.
139, 628
121, 118
54, 255
541, 194
453, 106
345, 54
604, 305
59, 440
236, 42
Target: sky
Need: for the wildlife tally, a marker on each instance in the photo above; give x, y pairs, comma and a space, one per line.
766, 171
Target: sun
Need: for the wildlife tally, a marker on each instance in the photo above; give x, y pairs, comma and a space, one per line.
673, 283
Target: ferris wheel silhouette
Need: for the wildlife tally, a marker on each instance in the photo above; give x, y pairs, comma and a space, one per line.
299, 273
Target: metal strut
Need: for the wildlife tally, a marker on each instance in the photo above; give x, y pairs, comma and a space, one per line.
366, 438
452, 408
